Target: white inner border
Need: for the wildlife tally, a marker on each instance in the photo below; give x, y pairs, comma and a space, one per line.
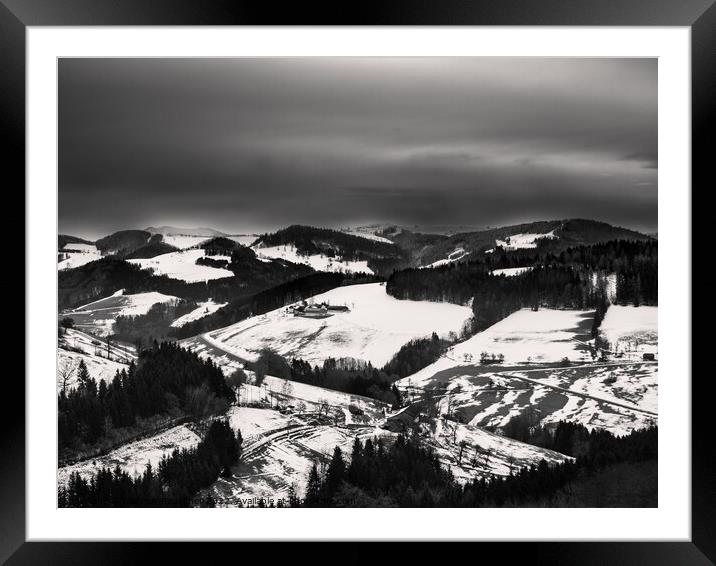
670, 521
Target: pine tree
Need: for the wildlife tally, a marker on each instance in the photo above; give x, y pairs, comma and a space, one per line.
313, 488
335, 474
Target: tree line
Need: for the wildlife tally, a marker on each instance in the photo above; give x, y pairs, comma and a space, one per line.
407, 473
574, 279
355, 376
173, 484
348, 377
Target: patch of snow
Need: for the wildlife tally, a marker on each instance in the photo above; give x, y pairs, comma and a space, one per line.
99, 316
631, 329
182, 265
183, 242
456, 255
204, 309
546, 335
318, 262
73, 259
83, 248
523, 241
368, 236
244, 239
512, 271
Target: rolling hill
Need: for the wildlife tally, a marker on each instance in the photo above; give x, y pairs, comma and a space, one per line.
553, 235
330, 250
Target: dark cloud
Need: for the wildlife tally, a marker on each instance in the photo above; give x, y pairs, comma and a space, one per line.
253, 144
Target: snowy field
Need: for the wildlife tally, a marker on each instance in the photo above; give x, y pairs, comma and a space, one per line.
75, 345
368, 235
133, 457
183, 242
318, 262
244, 239
83, 248
619, 396
523, 241
512, 271
374, 329
98, 317
631, 330
204, 309
81, 254
545, 335
182, 265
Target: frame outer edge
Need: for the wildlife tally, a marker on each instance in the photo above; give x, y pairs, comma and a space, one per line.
12, 438
703, 456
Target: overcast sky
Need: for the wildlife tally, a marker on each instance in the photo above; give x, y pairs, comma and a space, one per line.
247, 145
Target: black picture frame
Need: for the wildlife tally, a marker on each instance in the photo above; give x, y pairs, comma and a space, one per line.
699, 15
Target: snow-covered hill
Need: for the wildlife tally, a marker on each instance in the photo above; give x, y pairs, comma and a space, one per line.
74, 345
319, 262
374, 329
619, 395
98, 316
204, 309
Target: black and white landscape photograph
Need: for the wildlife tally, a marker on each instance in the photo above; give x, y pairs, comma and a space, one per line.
357, 282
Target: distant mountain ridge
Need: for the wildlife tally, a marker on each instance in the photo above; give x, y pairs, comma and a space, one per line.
175, 231
553, 235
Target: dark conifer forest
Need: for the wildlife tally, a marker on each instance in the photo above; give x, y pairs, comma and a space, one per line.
165, 380
406, 473
563, 281
174, 483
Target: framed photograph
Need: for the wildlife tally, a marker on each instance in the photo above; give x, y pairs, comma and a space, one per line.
408, 274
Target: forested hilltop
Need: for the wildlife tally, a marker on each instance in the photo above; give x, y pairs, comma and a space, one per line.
571, 279
552, 235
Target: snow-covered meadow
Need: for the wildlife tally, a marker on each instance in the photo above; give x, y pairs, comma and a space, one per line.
319, 262
512, 271
203, 309
182, 265
373, 331
523, 241
631, 330
98, 316
76, 255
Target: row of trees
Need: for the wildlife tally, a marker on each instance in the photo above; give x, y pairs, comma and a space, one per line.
173, 484
166, 379
338, 375
408, 474
415, 355
354, 376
